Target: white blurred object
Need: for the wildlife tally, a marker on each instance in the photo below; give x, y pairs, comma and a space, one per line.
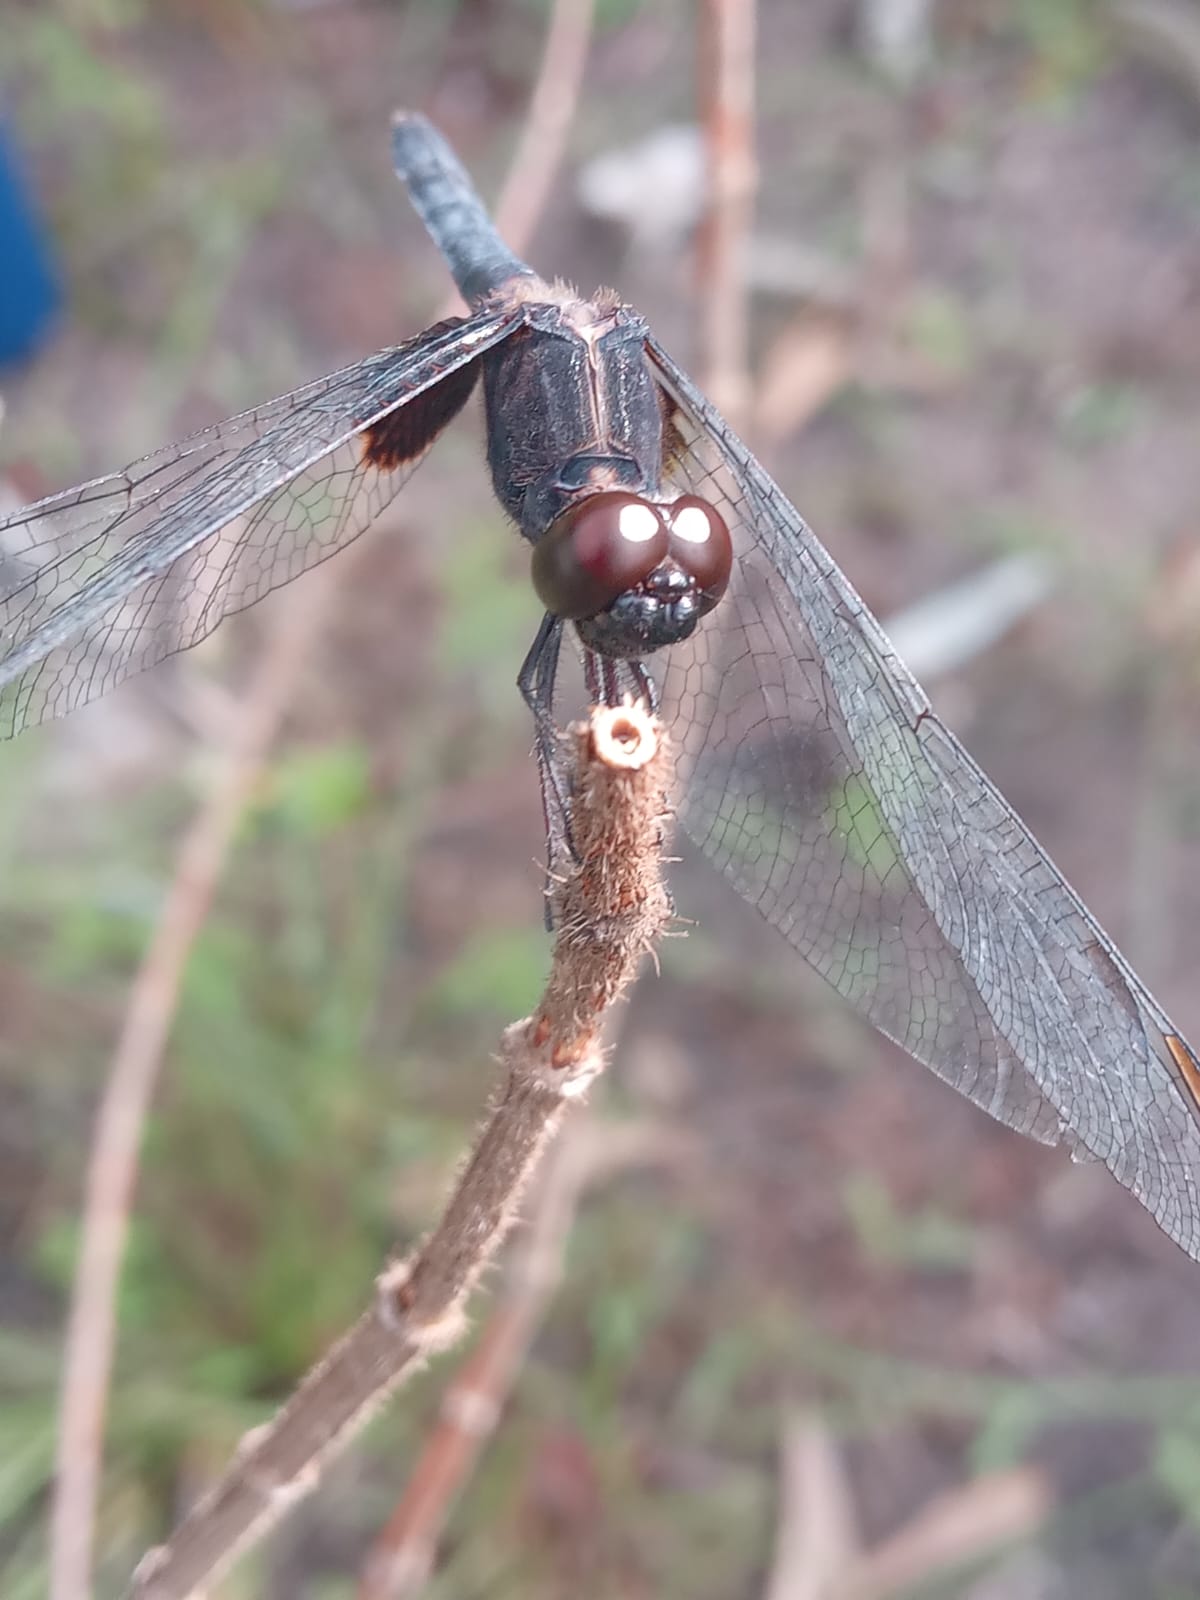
793, 270
896, 36
1165, 33
943, 632
655, 189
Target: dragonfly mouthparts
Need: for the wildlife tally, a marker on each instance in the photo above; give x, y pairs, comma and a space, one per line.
662, 610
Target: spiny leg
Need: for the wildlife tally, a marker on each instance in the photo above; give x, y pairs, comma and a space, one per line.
536, 681
645, 689
603, 678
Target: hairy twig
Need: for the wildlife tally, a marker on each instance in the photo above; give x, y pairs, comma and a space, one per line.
400, 1561
727, 102
610, 908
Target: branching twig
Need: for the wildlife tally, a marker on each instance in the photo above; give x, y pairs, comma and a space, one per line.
818, 1552
609, 909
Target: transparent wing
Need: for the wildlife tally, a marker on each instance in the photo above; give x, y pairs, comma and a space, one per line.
103, 580
817, 778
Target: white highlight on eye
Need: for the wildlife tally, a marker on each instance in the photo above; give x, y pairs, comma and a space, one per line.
637, 523
692, 524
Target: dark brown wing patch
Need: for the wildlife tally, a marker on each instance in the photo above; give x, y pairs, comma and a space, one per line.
406, 432
674, 443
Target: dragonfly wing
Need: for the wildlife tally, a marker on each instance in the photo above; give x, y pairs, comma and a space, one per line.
103, 580
819, 780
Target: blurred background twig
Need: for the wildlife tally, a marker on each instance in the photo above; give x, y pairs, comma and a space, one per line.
726, 80
113, 1163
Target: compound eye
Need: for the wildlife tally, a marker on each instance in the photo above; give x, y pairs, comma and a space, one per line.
595, 551
700, 543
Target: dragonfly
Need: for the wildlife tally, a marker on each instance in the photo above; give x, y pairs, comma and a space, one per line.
815, 773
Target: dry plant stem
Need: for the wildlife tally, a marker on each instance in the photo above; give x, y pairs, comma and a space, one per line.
113, 1163
952, 1530
1166, 33
587, 1151
727, 101
112, 1168
403, 1554
816, 1537
610, 909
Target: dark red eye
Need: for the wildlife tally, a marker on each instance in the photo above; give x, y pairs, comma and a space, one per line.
595, 551
700, 543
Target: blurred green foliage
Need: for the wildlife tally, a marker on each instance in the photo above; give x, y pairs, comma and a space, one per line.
1101, 413
927, 1239
1068, 41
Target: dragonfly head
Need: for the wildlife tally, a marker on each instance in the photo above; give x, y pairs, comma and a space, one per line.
633, 574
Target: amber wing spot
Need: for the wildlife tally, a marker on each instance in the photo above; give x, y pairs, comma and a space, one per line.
406, 432
673, 442
1189, 1067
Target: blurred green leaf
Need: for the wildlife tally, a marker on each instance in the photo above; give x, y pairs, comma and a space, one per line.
1010, 526
618, 1323
610, 14
710, 1387
317, 791
27, 1580
56, 1249
924, 1238
75, 79
1010, 1421
500, 971
939, 328
93, 937
489, 615
27, 1441
1177, 1468
856, 818
1097, 414
1068, 39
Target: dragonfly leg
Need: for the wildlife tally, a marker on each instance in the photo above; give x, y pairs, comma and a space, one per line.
610, 677
608, 681
592, 677
536, 681
644, 687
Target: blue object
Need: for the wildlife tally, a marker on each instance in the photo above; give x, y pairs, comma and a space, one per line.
29, 288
